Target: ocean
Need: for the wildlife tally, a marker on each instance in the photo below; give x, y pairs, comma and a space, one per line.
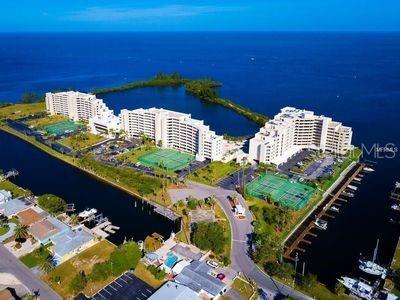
352, 77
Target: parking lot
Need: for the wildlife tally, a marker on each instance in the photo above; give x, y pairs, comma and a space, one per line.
237, 178
127, 286
297, 158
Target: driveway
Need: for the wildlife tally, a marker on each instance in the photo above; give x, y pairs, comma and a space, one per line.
10, 264
241, 239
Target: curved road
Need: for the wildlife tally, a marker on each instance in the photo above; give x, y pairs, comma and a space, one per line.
241, 233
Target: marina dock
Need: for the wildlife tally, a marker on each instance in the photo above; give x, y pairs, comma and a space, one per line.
322, 211
165, 212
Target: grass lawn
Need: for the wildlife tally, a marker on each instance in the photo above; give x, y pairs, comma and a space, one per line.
244, 289
214, 172
82, 140
134, 154
82, 262
144, 274
45, 121
15, 190
4, 230
21, 110
32, 259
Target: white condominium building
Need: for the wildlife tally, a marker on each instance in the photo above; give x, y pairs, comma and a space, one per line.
75, 105
173, 130
292, 130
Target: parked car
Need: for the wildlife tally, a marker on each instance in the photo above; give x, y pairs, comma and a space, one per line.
221, 276
212, 264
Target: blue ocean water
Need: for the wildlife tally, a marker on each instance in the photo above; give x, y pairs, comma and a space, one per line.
353, 77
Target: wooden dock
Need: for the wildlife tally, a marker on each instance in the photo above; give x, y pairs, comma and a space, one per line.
321, 211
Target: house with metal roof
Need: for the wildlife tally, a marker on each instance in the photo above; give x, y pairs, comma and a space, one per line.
69, 243
14, 206
174, 291
5, 196
196, 276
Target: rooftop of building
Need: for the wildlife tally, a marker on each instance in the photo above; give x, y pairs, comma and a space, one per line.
47, 228
174, 290
196, 277
5, 196
31, 215
14, 206
70, 240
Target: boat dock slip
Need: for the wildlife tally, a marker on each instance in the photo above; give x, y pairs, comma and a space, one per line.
166, 212
308, 226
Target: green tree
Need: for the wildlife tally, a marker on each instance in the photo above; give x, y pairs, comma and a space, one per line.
309, 281
74, 219
52, 203
21, 232
78, 283
209, 236
47, 263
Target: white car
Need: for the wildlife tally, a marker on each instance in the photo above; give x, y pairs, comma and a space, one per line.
212, 264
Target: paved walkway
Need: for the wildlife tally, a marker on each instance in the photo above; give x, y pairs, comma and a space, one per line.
241, 234
10, 264
9, 233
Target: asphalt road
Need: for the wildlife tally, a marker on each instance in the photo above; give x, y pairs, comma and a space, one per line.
241, 233
10, 264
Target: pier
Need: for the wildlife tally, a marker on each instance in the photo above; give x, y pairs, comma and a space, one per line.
321, 211
166, 212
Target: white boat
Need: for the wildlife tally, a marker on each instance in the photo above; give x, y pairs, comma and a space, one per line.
368, 169
334, 208
357, 179
357, 287
352, 187
87, 213
395, 207
371, 267
321, 224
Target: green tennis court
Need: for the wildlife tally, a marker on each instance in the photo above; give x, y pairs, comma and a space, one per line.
288, 193
167, 159
61, 128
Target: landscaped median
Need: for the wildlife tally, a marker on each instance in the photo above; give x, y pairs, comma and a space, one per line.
214, 172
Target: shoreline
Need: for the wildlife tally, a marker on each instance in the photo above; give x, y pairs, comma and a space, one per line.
49, 151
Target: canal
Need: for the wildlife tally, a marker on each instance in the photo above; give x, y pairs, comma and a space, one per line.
41, 173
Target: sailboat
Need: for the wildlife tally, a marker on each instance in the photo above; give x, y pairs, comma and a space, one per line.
357, 287
371, 267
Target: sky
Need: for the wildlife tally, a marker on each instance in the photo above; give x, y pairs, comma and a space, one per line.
199, 15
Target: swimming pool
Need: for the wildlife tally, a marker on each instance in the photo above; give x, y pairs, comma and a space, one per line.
171, 260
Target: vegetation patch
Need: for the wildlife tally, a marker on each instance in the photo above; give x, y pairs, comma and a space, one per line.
209, 236
245, 289
214, 172
40, 257
52, 203
17, 111
204, 89
144, 274
128, 178
93, 268
81, 140
15, 190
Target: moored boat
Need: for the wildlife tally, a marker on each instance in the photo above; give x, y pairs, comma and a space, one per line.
371, 267
368, 169
87, 213
357, 287
321, 224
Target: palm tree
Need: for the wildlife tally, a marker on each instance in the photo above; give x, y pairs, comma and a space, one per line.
212, 201
74, 220
21, 232
47, 263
